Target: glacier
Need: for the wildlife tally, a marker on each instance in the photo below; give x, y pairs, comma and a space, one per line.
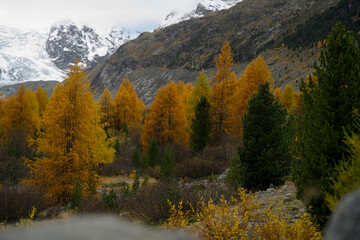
23, 57
29, 55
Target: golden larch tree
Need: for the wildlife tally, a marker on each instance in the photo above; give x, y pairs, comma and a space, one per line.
21, 119
223, 87
2, 115
256, 73
185, 91
127, 107
166, 119
288, 98
72, 141
42, 98
106, 103
277, 94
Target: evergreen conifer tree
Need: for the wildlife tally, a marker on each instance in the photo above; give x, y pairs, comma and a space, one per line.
327, 106
264, 159
153, 153
92, 181
167, 170
201, 126
117, 147
125, 129
145, 161
77, 197
136, 182
136, 158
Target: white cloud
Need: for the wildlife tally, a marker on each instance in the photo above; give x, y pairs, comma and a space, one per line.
101, 14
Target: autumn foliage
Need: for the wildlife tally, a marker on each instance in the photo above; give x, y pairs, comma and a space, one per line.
21, 119
166, 119
127, 108
240, 218
222, 91
72, 141
106, 103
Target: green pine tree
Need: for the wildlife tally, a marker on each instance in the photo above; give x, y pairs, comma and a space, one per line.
92, 182
153, 153
167, 169
200, 126
136, 182
77, 197
136, 158
347, 173
328, 107
117, 147
125, 129
145, 161
264, 158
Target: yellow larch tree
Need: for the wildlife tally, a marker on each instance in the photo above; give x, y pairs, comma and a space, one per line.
72, 143
288, 98
106, 103
2, 115
223, 87
185, 91
21, 119
297, 105
127, 107
42, 98
166, 119
256, 73
277, 94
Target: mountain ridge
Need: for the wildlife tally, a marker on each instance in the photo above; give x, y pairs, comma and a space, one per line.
189, 46
203, 8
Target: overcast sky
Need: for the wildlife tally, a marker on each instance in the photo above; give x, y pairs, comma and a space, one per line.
100, 14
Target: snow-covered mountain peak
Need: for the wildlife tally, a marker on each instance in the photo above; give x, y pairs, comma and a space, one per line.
23, 57
68, 41
29, 55
204, 7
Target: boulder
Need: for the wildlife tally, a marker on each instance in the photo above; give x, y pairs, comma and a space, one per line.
344, 223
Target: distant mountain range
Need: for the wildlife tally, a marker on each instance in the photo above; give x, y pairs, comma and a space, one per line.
27, 55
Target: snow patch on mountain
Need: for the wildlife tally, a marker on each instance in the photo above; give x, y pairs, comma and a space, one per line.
68, 41
27, 55
204, 7
23, 57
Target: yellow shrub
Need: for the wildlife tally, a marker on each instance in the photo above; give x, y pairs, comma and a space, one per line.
27, 222
2, 227
241, 218
178, 218
132, 174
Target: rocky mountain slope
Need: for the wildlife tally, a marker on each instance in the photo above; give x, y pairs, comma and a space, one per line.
12, 89
28, 55
179, 51
203, 8
67, 41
